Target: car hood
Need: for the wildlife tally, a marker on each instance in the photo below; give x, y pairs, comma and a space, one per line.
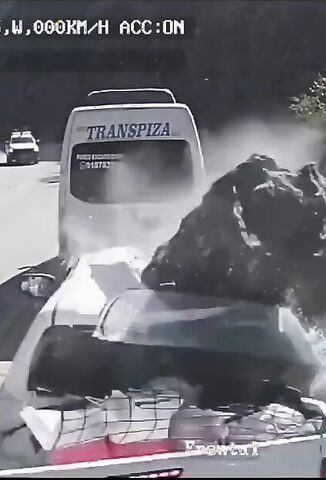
96, 280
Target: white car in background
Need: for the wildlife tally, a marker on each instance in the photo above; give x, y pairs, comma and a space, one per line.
22, 148
114, 379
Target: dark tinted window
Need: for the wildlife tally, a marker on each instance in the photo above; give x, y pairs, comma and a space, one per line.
21, 140
130, 171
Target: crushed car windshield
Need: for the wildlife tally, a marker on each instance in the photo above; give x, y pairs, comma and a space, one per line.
176, 324
146, 317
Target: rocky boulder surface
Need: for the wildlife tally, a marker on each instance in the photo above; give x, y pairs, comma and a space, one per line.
259, 235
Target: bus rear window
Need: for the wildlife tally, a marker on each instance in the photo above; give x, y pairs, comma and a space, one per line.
130, 171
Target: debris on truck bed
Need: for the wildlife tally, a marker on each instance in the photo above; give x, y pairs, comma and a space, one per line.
259, 234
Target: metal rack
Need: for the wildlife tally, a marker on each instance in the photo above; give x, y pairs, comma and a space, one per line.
123, 418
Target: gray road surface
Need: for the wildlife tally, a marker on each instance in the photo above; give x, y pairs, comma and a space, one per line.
28, 215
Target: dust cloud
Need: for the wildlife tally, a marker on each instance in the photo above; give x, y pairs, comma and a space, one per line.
140, 202
290, 143
133, 219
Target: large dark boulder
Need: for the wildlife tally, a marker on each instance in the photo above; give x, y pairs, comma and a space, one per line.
259, 234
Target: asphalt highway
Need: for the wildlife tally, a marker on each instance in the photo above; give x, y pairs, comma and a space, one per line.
28, 215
